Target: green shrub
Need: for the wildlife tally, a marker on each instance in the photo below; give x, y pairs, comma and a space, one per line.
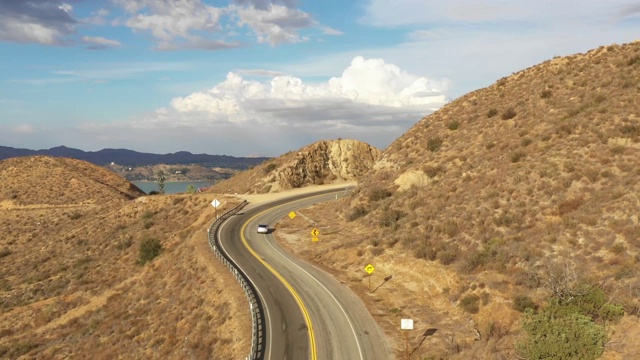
492, 112
572, 336
470, 303
522, 303
545, 94
150, 248
454, 125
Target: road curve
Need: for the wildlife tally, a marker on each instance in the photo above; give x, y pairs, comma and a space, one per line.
309, 314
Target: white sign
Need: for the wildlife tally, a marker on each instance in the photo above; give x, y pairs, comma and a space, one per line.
406, 324
215, 203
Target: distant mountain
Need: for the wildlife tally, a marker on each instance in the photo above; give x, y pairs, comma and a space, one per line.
134, 158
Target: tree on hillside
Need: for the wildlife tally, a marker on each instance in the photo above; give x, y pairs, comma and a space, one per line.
160, 179
191, 189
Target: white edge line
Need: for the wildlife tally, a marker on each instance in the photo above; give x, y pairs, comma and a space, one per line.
327, 290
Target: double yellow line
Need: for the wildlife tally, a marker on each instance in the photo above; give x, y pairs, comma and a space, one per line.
312, 339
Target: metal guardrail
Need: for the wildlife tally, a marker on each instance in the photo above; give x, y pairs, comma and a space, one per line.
255, 305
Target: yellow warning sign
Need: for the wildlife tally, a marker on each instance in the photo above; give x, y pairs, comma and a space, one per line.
315, 232
369, 269
292, 215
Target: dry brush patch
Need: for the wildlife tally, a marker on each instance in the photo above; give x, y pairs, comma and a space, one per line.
72, 284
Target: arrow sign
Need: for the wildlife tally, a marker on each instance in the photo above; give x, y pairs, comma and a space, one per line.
369, 269
292, 215
315, 232
215, 203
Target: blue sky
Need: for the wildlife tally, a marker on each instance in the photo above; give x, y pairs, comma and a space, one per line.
263, 77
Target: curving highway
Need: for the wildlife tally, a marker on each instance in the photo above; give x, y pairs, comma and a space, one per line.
308, 314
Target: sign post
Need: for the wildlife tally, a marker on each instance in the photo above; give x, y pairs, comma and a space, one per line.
215, 203
369, 269
406, 324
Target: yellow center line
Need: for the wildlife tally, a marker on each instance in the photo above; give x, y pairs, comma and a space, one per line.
312, 339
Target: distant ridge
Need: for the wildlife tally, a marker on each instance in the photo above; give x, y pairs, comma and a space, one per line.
134, 158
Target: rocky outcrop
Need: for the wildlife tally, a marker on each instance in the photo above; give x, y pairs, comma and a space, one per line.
323, 162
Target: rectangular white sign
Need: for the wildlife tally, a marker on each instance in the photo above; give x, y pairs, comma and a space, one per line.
406, 324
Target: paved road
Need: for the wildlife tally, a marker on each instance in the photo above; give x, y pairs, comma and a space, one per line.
310, 315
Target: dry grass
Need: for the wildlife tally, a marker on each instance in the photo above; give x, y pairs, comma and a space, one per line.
71, 284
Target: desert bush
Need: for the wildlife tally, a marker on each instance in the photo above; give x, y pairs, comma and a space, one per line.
5, 252
545, 94
432, 171
389, 218
448, 254
357, 212
270, 167
470, 303
508, 114
453, 125
617, 248
526, 141
379, 193
523, 302
148, 224
492, 112
434, 144
75, 215
517, 156
569, 205
147, 215
150, 248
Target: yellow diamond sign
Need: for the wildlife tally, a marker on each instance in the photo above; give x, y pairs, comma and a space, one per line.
292, 215
315, 232
369, 269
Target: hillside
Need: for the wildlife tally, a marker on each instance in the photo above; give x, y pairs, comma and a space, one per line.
41, 180
511, 197
323, 162
74, 243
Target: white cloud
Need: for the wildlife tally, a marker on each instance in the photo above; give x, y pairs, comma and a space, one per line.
45, 22
371, 82
100, 41
276, 24
23, 129
173, 24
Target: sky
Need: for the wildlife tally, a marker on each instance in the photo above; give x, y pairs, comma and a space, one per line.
264, 77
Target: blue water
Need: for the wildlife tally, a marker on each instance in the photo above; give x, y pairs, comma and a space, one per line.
170, 187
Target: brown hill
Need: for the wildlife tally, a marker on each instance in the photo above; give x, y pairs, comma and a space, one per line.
509, 194
71, 279
43, 180
323, 162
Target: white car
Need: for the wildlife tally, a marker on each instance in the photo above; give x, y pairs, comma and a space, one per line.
263, 229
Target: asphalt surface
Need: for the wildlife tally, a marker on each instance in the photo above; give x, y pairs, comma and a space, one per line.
309, 314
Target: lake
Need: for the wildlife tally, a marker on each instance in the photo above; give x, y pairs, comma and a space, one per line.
170, 187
